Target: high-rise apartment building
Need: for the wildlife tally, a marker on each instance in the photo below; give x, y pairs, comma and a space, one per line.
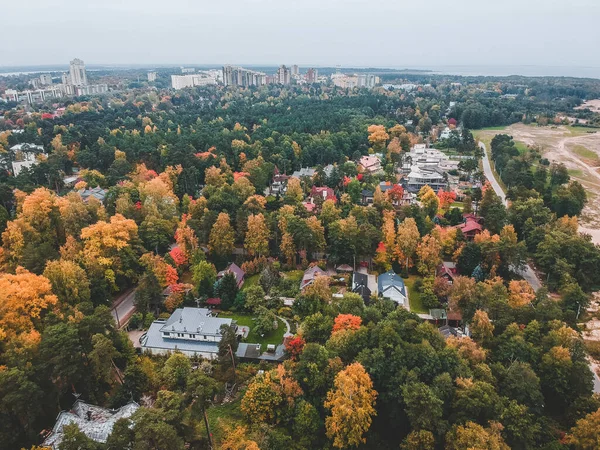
311, 75
283, 75
238, 76
151, 76
77, 73
295, 70
46, 79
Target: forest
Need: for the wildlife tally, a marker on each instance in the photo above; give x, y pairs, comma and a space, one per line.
186, 178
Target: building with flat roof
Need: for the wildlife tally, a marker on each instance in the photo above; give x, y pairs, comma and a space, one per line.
151, 76
192, 331
198, 79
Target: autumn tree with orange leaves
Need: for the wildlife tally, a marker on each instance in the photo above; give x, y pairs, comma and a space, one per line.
24, 300
346, 322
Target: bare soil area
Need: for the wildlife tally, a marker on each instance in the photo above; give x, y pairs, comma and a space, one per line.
578, 149
592, 105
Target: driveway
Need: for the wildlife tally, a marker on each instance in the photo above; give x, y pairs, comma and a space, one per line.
371, 280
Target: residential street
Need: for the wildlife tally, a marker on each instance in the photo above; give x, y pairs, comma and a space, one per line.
527, 273
123, 307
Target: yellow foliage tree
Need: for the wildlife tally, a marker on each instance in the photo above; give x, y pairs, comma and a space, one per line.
520, 293
222, 236
24, 298
257, 236
378, 136
351, 403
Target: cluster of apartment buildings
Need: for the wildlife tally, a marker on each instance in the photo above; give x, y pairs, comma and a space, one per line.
75, 82
359, 80
201, 78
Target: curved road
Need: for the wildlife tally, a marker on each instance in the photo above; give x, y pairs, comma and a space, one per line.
527, 273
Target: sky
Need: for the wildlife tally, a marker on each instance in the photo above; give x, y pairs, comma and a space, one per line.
351, 33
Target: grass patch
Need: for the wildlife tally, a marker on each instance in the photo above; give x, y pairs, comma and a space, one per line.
250, 281
500, 128
414, 296
580, 150
294, 275
575, 172
245, 320
521, 146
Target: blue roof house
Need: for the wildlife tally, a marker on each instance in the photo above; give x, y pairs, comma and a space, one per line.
391, 286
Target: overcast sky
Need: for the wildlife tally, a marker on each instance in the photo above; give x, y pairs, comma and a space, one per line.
383, 33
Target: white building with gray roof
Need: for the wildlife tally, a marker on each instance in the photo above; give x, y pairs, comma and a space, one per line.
192, 331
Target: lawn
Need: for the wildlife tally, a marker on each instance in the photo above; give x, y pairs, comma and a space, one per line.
414, 297
245, 320
500, 128
294, 275
580, 150
250, 281
521, 146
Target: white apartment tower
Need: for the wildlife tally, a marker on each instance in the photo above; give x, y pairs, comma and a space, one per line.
151, 76
77, 73
295, 70
283, 75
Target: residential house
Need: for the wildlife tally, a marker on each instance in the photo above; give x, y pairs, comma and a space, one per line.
447, 270
326, 193
391, 286
94, 421
366, 197
304, 172
98, 193
309, 276
236, 271
360, 286
192, 331
370, 163
25, 156
470, 227
279, 183
448, 331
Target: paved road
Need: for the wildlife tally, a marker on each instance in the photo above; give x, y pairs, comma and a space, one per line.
123, 307
487, 169
527, 273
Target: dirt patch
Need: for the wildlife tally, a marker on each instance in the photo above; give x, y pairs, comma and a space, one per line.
592, 105
578, 149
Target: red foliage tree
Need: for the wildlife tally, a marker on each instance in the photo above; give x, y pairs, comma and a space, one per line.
395, 194
178, 256
294, 347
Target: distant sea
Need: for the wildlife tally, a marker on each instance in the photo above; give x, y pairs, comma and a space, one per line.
504, 71
460, 70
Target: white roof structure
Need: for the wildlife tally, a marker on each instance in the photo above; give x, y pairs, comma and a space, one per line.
94, 421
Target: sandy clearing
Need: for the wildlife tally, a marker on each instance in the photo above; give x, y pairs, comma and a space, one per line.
559, 143
592, 105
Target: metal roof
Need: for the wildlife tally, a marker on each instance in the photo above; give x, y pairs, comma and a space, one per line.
94, 421
390, 281
194, 320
